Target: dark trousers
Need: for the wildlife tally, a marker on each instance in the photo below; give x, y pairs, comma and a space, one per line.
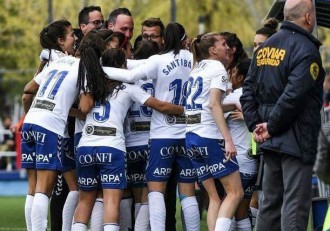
286, 199
170, 203
60, 192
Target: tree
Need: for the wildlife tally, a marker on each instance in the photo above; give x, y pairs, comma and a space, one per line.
21, 21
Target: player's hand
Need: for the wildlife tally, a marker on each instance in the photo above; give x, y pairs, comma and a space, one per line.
236, 115
230, 151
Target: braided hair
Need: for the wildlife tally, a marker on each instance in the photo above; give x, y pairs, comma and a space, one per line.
114, 57
90, 69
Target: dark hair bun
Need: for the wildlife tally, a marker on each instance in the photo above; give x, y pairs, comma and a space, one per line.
271, 23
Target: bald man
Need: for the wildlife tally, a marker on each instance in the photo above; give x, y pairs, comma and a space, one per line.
281, 102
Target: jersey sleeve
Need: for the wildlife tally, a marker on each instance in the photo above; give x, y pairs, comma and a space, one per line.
137, 94
219, 80
232, 98
151, 66
133, 63
41, 76
123, 75
148, 70
44, 55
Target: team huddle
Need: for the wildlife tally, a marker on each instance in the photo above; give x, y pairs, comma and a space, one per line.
160, 112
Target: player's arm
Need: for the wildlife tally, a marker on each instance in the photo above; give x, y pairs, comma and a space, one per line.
133, 63
217, 113
75, 112
30, 90
86, 103
229, 107
148, 70
164, 107
123, 75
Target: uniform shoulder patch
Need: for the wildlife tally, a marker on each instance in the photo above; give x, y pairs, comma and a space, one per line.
314, 70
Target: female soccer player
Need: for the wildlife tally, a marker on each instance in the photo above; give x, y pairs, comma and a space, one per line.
269, 28
101, 157
44, 124
137, 130
57, 40
248, 166
208, 140
169, 72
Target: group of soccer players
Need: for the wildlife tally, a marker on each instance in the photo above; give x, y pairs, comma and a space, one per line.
120, 144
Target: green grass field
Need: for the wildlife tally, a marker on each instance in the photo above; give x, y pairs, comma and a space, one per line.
12, 214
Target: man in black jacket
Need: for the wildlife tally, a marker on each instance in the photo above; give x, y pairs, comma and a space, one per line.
281, 101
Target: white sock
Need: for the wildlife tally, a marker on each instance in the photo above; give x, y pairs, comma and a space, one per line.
27, 209
142, 219
191, 213
39, 212
243, 225
137, 207
68, 210
222, 224
97, 216
126, 214
111, 227
79, 227
254, 213
157, 211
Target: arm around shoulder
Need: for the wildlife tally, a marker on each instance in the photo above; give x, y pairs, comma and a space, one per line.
164, 107
124, 75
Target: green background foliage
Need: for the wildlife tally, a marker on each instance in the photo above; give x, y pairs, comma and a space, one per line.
22, 20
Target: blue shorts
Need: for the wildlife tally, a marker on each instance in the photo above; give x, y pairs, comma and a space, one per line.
77, 137
208, 157
136, 163
68, 161
164, 153
248, 184
40, 147
28, 147
101, 165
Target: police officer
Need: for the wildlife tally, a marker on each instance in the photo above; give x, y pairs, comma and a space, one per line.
282, 98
